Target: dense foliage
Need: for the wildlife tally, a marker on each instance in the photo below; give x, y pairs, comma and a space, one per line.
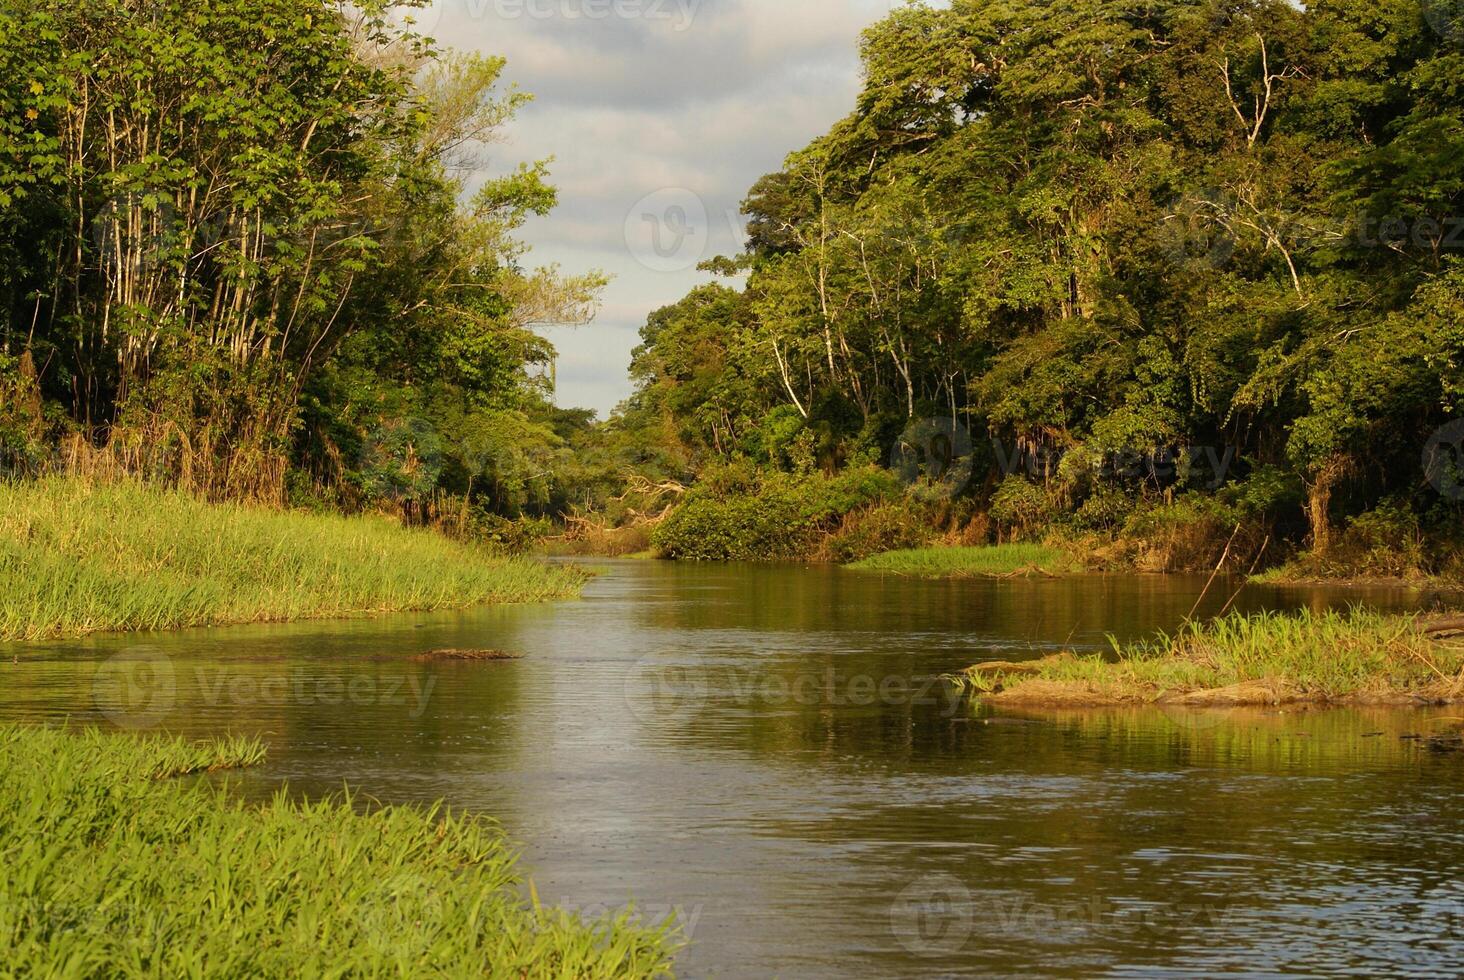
238, 254
737, 512
1117, 243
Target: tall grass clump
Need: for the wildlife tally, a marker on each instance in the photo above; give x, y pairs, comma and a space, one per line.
1358, 655
78, 558
110, 872
944, 562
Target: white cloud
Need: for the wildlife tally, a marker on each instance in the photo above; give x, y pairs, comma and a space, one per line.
630, 106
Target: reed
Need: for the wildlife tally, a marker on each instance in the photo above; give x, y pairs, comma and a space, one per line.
1333, 656
991, 561
79, 558
110, 872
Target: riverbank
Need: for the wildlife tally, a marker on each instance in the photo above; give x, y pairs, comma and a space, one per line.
1301, 574
1354, 657
957, 562
77, 558
114, 867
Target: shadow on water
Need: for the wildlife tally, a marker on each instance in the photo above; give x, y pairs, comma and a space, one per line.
767, 752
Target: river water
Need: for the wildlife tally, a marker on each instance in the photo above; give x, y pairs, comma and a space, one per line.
767, 756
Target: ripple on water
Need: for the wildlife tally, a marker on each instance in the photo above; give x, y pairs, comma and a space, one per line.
693, 737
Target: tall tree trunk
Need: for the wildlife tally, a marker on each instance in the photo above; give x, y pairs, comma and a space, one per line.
1319, 501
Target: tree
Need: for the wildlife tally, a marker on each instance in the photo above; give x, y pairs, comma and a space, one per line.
239, 249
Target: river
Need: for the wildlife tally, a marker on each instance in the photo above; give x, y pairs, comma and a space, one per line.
767, 755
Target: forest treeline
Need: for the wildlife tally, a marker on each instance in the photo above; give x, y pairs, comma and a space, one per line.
1183, 280
1106, 239
248, 249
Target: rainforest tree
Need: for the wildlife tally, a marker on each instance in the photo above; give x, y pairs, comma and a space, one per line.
239, 255
1100, 230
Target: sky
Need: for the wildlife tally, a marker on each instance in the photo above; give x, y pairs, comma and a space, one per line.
659, 114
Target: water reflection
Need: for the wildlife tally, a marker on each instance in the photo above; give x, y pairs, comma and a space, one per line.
769, 752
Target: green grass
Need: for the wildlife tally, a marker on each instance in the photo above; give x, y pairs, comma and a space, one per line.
1280, 575
110, 872
1308, 572
1002, 559
77, 558
1300, 656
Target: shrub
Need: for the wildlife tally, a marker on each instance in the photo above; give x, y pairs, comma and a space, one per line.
745, 528
770, 440
510, 536
1386, 540
970, 532
22, 417
737, 514
884, 527
1106, 509
830, 497
1190, 534
1268, 490
1020, 506
1444, 527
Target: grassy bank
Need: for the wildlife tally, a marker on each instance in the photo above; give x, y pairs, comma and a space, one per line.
111, 871
77, 558
1306, 573
1273, 658
1002, 559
